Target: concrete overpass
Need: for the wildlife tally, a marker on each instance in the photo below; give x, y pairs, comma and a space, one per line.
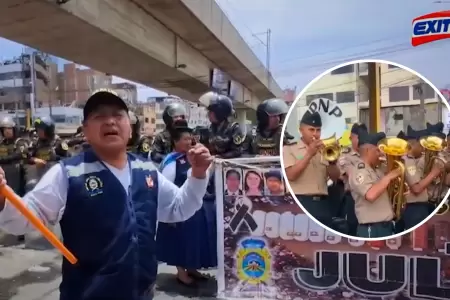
170, 45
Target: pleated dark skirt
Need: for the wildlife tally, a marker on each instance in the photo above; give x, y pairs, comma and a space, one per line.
191, 244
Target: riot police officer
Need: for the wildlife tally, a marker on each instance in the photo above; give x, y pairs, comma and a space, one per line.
45, 152
13, 150
162, 144
225, 138
78, 142
265, 140
137, 143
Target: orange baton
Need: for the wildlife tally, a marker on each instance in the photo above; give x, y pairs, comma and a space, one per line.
15, 200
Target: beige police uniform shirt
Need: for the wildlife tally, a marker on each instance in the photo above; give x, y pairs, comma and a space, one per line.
361, 180
346, 162
432, 188
413, 175
313, 179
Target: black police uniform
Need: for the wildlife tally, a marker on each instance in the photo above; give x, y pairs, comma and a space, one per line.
264, 140
162, 144
138, 144
51, 149
225, 138
13, 152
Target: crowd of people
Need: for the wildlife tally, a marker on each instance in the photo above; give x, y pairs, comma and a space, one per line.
374, 193
125, 201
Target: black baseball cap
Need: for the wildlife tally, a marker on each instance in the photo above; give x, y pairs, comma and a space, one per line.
103, 97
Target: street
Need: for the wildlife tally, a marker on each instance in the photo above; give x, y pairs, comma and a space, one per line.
27, 274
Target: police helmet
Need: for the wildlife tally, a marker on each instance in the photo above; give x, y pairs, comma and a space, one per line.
47, 124
220, 105
271, 107
173, 110
7, 122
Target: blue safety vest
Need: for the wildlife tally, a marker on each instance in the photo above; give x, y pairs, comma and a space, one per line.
111, 233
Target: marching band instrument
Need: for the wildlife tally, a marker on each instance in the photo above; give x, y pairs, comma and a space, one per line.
394, 148
433, 146
333, 128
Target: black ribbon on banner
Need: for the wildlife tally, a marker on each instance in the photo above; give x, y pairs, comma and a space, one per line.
242, 216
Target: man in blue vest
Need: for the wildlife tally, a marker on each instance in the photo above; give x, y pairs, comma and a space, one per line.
108, 203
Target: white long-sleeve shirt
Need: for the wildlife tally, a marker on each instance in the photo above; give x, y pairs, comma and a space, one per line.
48, 199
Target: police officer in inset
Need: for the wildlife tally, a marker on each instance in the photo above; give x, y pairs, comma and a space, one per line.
308, 171
225, 138
162, 144
13, 151
45, 152
417, 207
349, 160
138, 144
265, 140
368, 186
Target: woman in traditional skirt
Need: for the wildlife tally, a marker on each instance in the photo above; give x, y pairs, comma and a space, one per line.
189, 245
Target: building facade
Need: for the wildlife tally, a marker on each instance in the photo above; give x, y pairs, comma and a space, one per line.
26, 78
127, 91
75, 85
400, 96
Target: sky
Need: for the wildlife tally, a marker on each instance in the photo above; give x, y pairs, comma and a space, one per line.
308, 37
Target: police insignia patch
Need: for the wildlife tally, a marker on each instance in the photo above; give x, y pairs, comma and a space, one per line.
361, 166
412, 170
145, 147
64, 146
94, 186
238, 139
359, 178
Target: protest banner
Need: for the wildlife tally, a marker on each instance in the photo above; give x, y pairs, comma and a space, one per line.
269, 249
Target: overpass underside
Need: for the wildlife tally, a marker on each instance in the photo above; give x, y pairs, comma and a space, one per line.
133, 39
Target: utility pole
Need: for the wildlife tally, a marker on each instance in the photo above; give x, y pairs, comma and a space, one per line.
419, 89
267, 44
33, 84
374, 97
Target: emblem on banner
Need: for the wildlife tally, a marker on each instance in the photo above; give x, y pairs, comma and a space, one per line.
253, 261
94, 186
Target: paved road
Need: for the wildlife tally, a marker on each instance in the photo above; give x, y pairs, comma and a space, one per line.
27, 274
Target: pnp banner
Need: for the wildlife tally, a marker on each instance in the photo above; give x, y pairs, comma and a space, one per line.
269, 249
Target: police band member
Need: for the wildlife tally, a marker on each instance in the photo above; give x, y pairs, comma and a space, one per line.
138, 144
162, 144
368, 186
417, 209
265, 140
45, 152
225, 138
13, 151
348, 160
308, 171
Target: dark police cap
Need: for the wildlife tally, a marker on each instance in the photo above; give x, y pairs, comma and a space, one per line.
401, 135
103, 97
181, 126
371, 138
311, 119
273, 173
412, 134
435, 128
357, 128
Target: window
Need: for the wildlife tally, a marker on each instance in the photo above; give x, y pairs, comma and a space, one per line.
344, 70
427, 91
153, 120
345, 97
393, 67
310, 98
146, 120
398, 93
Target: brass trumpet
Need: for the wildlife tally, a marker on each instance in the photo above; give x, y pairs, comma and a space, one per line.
394, 148
433, 146
331, 150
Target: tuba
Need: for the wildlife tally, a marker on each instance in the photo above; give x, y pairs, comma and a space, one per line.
433, 147
394, 148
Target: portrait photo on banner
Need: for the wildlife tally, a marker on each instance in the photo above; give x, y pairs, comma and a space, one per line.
369, 164
233, 182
